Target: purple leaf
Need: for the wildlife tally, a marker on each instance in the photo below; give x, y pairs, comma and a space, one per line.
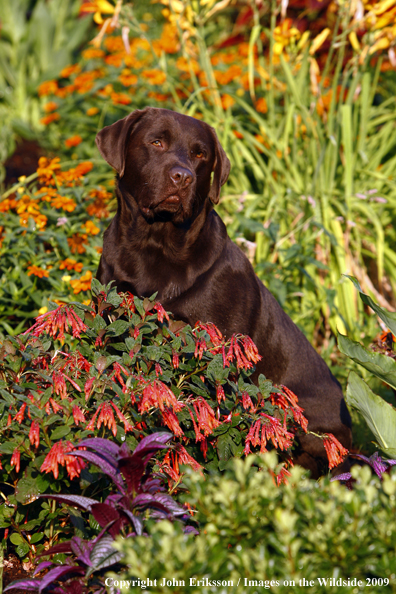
58, 572
28, 584
341, 477
82, 549
104, 514
377, 464
104, 554
103, 464
79, 501
190, 530
105, 446
169, 503
62, 547
151, 443
136, 522
42, 565
132, 470
391, 462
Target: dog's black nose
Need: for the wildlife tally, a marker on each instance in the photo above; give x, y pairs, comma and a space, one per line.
181, 177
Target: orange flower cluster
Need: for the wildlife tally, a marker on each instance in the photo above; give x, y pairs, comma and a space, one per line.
83, 283
335, 451
58, 456
36, 271
106, 417
57, 322
271, 430
70, 264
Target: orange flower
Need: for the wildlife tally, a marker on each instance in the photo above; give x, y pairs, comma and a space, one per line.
69, 70
227, 101
91, 228
261, 105
170, 419
92, 111
63, 202
154, 76
48, 87
71, 264
73, 141
106, 417
57, 456
40, 272
50, 106
47, 168
233, 72
20, 414
83, 283
127, 78
26, 204
92, 53
8, 204
206, 420
52, 117
76, 243
120, 98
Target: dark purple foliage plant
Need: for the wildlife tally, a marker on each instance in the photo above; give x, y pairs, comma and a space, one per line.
137, 495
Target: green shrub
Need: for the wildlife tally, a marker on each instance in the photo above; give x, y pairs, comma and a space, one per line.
251, 530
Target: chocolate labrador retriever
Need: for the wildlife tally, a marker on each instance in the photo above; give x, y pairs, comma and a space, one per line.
166, 237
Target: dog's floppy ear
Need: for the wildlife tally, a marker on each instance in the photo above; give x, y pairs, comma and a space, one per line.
221, 170
112, 141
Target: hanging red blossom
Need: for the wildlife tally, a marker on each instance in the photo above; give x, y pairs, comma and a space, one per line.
158, 395
20, 414
16, 459
170, 419
78, 415
161, 312
336, 453
34, 434
57, 457
57, 322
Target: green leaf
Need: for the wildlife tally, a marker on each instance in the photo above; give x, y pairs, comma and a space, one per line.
26, 489
216, 370
22, 549
386, 316
378, 414
382, 366
60, 432
225, 447
16, 538
117, 328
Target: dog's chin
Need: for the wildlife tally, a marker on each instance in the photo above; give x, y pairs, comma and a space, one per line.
173, 208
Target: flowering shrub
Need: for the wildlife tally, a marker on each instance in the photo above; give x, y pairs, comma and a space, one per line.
50, 240
122, 368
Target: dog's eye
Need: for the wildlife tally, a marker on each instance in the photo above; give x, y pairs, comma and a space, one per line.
157, 143
199, 155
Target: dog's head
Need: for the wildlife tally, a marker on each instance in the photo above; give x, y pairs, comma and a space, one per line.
165, 160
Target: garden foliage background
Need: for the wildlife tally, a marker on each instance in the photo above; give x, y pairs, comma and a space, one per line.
302, 96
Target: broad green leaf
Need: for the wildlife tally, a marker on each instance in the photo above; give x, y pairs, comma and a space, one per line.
26, 490
386, 316
60, 432
382, 366
117, 328
379, 415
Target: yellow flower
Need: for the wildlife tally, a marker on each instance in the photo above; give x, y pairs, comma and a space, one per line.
319, 41
43, 310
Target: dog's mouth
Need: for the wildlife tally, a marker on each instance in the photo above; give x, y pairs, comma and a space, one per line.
173, 200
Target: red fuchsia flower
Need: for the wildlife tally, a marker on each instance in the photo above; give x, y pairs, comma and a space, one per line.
220, 395
158, 395
216, 336
9, 420
128, 302
59, 382
200, 347
117, 373
56, 407
127, 425
206, 419
20, 414
88, 387
226, 363
57, 457
336, 453
78, 415
34, 434
281, 478
297, 411
16, 459
57, 322
171, 466
271, 430
185, 458
158, 369
251, 350
161, 312
175, 360
136, 332
247, 402
1, 468
170, 419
